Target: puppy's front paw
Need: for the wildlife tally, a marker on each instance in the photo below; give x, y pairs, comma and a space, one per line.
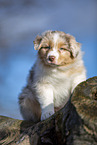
46, 115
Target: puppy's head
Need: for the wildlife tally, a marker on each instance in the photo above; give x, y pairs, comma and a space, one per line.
55, 48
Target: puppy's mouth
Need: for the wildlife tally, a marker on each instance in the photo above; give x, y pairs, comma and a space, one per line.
51, 61
55, 63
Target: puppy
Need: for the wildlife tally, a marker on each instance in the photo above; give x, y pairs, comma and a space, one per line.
58, 70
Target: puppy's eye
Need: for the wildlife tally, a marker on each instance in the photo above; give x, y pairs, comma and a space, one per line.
48, 47
61, 48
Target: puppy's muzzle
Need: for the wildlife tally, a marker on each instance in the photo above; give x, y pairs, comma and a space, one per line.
51, 58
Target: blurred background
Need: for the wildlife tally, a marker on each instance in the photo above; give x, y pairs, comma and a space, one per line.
21, 21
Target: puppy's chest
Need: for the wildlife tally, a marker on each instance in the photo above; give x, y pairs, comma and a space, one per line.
59, 81
60, 84
61, 91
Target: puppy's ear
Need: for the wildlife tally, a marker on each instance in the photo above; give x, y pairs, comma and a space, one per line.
37, 42
75, 48
73, 45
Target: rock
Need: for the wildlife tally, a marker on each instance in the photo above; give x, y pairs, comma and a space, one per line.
74, 124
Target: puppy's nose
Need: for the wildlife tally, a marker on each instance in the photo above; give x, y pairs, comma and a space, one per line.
51, 58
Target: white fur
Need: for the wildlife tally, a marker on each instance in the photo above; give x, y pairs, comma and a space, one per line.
54, 51
78, 79
56, 37
55, 88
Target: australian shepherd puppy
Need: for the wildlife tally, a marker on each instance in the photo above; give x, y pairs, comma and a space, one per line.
58, 70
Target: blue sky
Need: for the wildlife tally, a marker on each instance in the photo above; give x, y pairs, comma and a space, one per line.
20, 23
